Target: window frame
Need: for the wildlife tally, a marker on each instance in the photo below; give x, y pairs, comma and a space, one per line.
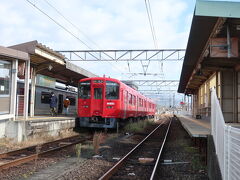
82, 96
117, 93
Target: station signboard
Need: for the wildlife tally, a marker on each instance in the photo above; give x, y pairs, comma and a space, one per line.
45, 81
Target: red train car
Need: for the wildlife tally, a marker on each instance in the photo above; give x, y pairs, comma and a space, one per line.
104, 102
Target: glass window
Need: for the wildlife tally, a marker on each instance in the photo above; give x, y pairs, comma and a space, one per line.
97, 81
130, 99
97, 93
84, 90
112, 90
5, 86
45, 97
72, 100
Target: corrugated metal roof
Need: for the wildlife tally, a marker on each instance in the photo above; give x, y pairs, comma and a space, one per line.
42, 57
31, 46
226, 9
13, 54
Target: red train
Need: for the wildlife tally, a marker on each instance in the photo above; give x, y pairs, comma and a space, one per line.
104, 102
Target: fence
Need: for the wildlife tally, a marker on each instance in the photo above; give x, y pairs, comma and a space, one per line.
226, 140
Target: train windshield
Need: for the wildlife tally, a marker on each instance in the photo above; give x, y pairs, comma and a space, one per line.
112, 90
84, 90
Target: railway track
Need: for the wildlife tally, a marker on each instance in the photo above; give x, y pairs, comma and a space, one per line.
142, 161
20, 156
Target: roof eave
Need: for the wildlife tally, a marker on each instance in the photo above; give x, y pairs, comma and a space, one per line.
206, 15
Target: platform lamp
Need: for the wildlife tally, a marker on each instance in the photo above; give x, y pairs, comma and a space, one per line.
50, 67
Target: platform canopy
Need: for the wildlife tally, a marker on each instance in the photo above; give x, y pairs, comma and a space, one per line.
53, 64
211, 19
10, 54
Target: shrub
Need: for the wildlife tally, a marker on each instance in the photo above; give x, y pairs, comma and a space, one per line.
137, 127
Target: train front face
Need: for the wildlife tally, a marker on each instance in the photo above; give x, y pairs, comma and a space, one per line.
98, 102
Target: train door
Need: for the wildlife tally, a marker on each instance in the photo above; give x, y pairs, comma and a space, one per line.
60, 103
97, 101
122, 103
125, 104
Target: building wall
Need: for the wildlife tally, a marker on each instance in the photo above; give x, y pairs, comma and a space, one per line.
228, 95
227, 85
203, 98
238, 98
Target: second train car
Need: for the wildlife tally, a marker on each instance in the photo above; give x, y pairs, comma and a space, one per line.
104, 102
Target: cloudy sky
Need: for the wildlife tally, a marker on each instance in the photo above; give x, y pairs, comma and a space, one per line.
101, 24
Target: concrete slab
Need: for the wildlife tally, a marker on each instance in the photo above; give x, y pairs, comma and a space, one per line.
195, 127
39, 126
46, 118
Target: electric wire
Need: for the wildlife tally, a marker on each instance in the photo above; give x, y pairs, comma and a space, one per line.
75, 26
150, 19
64, 28
64, 17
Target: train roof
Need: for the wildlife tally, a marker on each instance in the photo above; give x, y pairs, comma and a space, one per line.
115, 80
100, 78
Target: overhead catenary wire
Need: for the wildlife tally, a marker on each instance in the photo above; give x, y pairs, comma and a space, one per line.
150, 20
65, 18
63, 27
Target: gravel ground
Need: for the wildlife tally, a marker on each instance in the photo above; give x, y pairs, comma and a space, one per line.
27, 169
65, 165
133, 169
180, 149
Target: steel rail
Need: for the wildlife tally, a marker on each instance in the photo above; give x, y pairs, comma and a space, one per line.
11, 153
40, 154
160, 152
111, 171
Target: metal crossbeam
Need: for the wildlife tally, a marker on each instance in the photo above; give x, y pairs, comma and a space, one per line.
125, 55
154, 83
155, 91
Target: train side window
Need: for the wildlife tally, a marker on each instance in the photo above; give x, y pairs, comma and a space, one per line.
125, 97
134, 100
112, 90
45, 97
130, 99
84, 90
72, 100
97, 93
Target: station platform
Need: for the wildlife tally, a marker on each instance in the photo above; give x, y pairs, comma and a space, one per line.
197, 128
46, 118
39, 126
